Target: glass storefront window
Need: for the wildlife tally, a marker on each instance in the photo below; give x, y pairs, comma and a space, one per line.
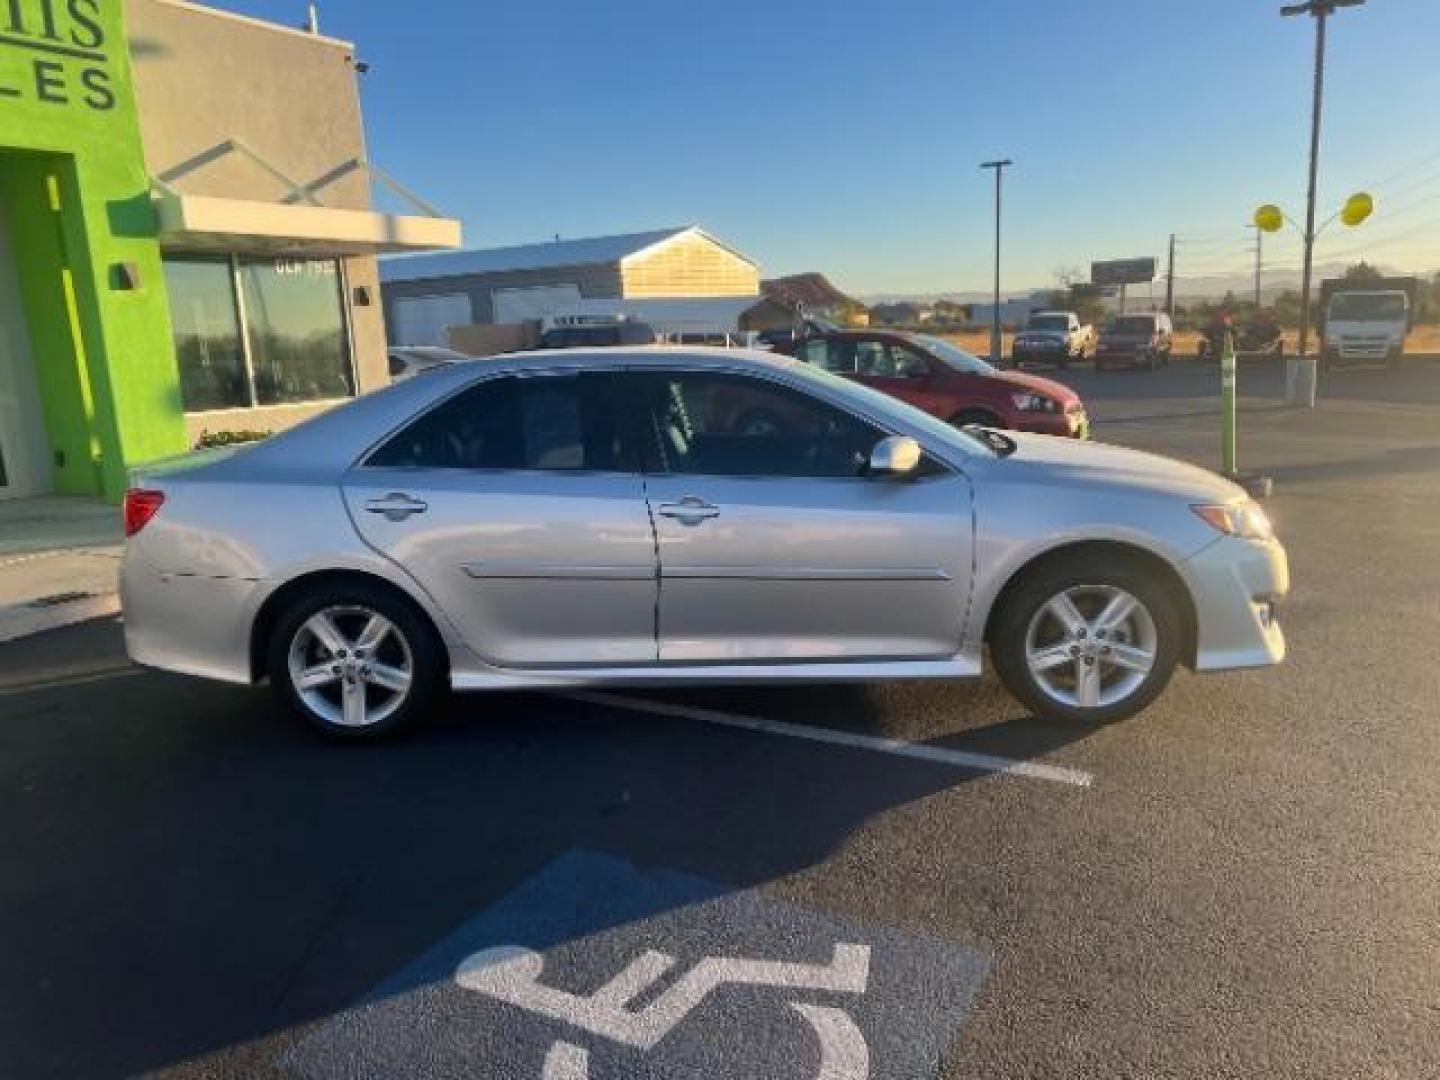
295, 346
207, 334
296, 326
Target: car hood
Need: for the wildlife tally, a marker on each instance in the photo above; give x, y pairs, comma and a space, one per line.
1036, 385
1073, 463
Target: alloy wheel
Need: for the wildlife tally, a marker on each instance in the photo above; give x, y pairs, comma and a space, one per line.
351, 666
1091, 646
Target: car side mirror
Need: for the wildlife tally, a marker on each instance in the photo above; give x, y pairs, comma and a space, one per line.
896, 455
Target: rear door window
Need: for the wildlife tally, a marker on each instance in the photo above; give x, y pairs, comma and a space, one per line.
542, 422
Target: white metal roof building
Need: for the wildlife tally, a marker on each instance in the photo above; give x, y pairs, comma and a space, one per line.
676, 279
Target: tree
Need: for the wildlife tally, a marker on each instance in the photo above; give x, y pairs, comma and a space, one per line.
1361, 271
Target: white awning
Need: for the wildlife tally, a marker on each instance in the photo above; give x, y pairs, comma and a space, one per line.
205, 223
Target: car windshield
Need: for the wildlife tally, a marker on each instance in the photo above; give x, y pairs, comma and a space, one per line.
1048, 322
1131, 325
953, 356
886, 405
1367, 306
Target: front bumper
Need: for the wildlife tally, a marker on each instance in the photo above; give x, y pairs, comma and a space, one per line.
1069, 425
1361, 350
1237, 586
1132, 356
1049, 352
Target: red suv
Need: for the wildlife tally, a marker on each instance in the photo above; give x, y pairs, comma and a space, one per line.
946, 381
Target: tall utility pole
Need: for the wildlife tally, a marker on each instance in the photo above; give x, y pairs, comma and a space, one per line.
1170, 282
1259, 264
999, 167
1302, 370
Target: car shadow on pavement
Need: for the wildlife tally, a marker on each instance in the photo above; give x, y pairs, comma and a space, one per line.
191, 874
1393, 462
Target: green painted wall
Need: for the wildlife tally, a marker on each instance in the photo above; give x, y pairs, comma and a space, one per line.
72, 170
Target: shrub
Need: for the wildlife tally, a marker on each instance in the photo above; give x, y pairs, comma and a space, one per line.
211, 439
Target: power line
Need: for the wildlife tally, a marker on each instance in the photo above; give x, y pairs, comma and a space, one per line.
1405, 169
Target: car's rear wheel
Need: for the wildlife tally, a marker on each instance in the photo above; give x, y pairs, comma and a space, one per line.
354, 660
1086, 642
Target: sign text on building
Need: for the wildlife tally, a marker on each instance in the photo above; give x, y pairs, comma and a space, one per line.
60, 53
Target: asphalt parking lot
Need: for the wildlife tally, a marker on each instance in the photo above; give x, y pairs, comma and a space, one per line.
893, 881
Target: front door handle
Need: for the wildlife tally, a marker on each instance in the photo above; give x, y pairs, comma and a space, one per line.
397, 506
690, 510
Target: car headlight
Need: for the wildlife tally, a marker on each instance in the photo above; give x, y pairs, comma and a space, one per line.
1034, 403
1244, 519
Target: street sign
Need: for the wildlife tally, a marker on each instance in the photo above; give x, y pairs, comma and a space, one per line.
596, 970
1123, 271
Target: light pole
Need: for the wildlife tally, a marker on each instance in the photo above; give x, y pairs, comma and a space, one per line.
1302, 370
999, 167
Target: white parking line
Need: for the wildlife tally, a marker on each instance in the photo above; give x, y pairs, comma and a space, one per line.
965, 759
66, 681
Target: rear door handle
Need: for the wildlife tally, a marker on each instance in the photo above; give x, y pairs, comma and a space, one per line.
690, 510
397, 506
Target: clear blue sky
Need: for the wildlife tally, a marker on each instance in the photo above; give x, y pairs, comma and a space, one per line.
844, 136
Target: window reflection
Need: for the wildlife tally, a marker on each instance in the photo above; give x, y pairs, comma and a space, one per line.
207, 334
297, 329
294, 323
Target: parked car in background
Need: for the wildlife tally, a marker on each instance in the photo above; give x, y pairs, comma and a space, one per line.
1366, 320
1259, 337
408, 360
604, 518
597, 335
946, 381
1053, 337
1137, 341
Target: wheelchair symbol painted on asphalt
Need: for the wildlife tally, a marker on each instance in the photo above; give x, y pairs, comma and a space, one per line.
595, 969
512, 974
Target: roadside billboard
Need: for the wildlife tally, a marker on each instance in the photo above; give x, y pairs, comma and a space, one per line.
1123, 271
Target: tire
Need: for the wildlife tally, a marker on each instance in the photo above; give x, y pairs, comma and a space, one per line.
408, 650
1026, 624
977, 416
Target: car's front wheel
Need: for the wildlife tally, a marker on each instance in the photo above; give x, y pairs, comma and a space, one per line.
354, 660
1087, 642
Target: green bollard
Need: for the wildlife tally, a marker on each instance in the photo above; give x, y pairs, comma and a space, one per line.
1228, 465
1259, 487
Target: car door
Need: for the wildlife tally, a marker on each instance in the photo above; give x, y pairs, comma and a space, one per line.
836, 355
517, 505
908, 374
775, 547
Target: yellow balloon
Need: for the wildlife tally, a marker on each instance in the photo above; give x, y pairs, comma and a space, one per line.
1269, 218
1357, 208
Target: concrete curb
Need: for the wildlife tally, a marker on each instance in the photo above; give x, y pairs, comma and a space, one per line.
23, 620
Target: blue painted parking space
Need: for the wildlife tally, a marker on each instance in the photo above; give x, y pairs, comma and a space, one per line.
595, 968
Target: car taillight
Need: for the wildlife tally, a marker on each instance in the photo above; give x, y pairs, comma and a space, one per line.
141, 504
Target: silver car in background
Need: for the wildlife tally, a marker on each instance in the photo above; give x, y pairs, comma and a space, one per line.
665, 516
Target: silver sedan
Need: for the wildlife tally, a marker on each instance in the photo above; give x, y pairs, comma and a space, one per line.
660, 517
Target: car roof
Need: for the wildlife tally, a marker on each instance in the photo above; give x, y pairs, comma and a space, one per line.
332, 440
876, 332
